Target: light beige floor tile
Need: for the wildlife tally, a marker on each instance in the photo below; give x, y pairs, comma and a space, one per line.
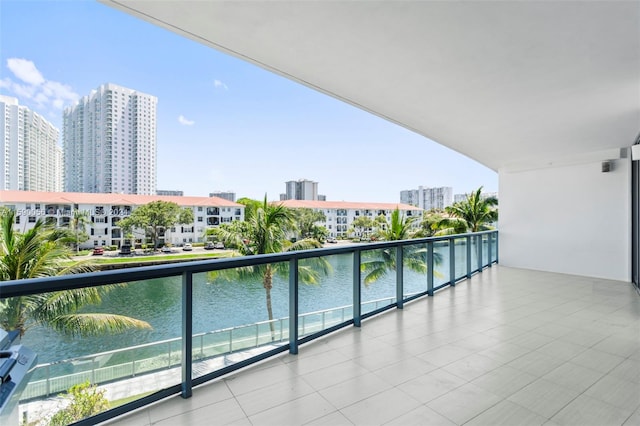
536, 363
629, 369
588, 411
421, 416
620, 393
202, 396
380, 408
634, 419
268, 397
464, 403
334, 374
225, 413
430, 386
404, 370
334, 419
597, 360
561, 349
573, 376
246, 381
618, 346
505, 352
296, 412
544, 397
446, 354
504, 381
472, 366
351, 391
507, 413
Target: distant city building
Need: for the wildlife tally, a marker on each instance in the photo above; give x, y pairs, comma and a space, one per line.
109, 142
30, 157
428, 198
105, 211
463, 197
322, 197
227, 195
302, 189
169, 192
341, 214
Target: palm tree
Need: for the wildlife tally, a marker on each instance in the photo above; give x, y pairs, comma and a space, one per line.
41, 252
264, 232
383, 261
473, 215
78, 222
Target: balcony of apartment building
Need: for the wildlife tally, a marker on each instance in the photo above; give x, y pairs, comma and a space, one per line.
546, 94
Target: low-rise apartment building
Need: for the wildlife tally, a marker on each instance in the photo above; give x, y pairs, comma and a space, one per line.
104, 211
341, 214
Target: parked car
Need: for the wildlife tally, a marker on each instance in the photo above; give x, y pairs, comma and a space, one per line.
209, 246
332, 240
98, 251
166, 249
219, 245
125, 249
187, 247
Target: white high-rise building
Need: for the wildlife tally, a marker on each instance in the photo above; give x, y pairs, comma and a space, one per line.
428, 198
302, 189
109, 141
30, 157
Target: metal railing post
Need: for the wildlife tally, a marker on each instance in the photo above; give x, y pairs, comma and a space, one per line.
430, 268
489, 245
357, 309
399, 277
293, 306
468, 257
187, 333
479, 243
452, 262
497, 245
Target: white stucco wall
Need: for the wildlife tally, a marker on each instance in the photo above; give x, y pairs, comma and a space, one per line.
570, 219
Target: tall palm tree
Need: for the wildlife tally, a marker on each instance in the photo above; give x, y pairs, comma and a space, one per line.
264, 232
473, 214
78, 222
41, 252
380, 262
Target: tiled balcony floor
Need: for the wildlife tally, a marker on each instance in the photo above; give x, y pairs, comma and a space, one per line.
508, 347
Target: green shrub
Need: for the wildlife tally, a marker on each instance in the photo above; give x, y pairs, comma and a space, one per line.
86, 401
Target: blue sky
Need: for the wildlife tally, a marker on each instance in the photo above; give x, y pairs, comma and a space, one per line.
223, 124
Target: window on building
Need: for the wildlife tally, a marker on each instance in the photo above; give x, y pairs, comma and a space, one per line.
32, 219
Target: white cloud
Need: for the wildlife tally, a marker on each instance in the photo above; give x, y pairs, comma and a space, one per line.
219, 85
182, 120
25, 70
30, 85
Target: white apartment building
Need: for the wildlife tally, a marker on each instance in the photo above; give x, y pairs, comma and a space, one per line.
106, 210
30, 157
109, 142
428, 198
341, 214
484, 195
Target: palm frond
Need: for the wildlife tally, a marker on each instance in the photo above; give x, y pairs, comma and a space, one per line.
95, 324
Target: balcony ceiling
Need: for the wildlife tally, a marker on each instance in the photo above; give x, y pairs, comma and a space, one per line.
504, 83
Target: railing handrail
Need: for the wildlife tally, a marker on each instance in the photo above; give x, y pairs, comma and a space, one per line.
94, 279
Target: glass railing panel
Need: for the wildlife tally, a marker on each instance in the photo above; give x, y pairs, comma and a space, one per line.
378, 281
485, 249
440, 263
494, 247
474, 253
461, 257
325, 292
126, 365
238, 313
414, 270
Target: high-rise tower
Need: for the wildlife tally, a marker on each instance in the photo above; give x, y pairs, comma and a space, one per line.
30, 157
109, 142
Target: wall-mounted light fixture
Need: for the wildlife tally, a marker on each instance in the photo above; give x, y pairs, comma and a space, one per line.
607, 166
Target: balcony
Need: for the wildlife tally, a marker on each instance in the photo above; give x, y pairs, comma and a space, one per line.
504, 344
509, 346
